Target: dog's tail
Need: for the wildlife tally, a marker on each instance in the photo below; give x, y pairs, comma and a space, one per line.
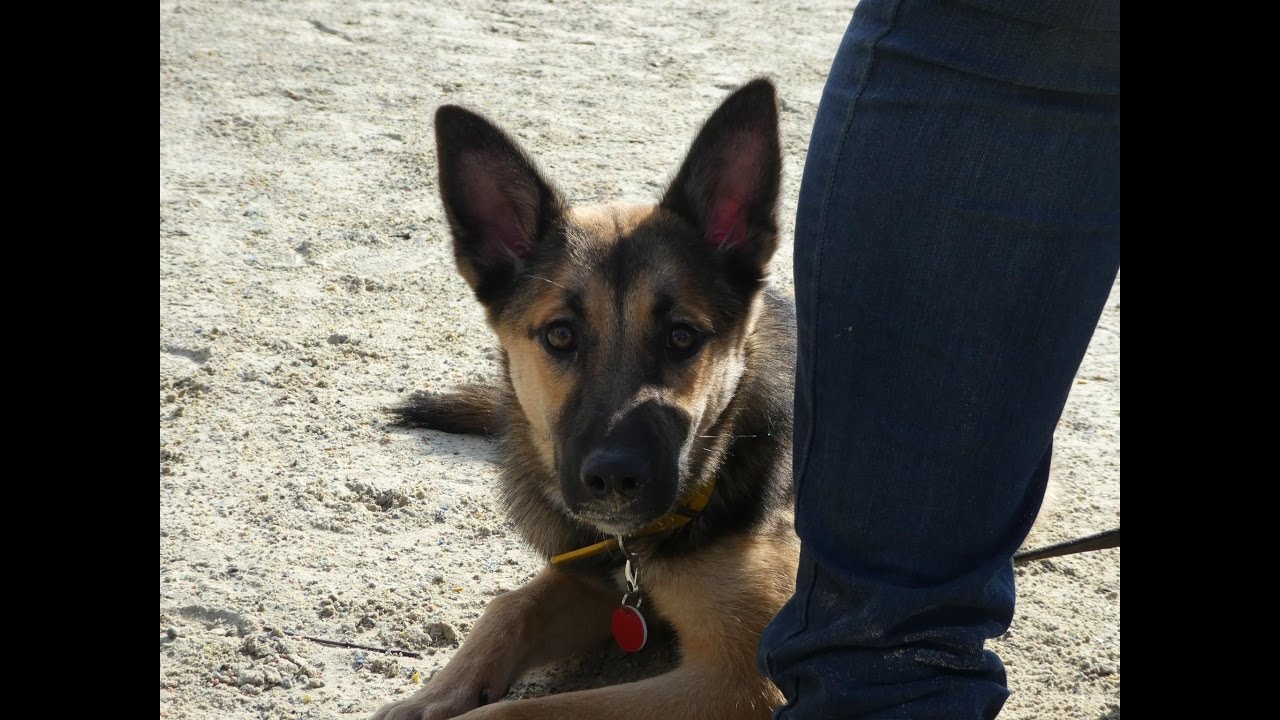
468, 410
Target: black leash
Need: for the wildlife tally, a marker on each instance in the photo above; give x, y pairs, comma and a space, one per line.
1101, 541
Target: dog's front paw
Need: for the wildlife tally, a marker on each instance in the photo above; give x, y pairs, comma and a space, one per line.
435, 703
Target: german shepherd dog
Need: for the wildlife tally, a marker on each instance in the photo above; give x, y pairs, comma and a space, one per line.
643, 415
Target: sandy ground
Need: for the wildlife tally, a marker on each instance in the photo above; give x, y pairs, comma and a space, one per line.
306, 282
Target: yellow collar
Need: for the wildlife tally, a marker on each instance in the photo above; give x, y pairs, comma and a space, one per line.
672, 520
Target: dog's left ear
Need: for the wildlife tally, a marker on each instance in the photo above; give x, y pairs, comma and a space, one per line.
728, 185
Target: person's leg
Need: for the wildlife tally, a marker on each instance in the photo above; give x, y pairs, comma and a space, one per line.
957, 235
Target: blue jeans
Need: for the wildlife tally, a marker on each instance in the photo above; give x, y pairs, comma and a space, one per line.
957, 236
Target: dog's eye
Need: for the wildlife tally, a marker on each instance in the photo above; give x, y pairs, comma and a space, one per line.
560, 337
682, 339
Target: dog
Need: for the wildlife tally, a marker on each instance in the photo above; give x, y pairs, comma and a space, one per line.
644, 419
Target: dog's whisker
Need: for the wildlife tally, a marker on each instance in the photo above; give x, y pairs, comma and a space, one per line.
553, 282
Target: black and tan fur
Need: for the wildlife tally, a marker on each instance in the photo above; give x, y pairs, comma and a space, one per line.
643, 355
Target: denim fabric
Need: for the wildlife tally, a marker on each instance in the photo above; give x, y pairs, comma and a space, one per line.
957, 235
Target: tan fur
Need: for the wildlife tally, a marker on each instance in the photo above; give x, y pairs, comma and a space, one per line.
607, 222
539, 389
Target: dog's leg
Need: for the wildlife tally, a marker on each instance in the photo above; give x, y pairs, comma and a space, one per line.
718, 601
553, 616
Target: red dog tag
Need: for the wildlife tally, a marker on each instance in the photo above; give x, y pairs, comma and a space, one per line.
629, 629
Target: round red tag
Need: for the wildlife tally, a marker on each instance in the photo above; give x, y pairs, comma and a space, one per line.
629, 629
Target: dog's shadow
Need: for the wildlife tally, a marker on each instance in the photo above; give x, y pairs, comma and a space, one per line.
478, 448
607, 666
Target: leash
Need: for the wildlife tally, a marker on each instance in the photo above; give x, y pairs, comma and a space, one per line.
1100, 541
698, 500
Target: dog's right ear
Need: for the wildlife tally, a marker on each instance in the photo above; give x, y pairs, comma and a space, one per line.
498, 204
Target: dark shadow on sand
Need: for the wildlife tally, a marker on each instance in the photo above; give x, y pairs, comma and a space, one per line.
608, 666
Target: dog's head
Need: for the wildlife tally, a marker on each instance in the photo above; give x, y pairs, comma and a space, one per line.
624, 328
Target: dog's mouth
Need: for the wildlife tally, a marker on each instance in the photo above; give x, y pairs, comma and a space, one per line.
616, 524
617, 514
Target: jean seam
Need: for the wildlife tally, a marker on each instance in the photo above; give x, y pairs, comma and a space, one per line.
817, 283
825, 214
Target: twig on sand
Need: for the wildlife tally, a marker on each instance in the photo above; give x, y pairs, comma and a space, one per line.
354, 646
330, 31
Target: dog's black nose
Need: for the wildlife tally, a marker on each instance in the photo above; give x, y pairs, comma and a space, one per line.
613, 470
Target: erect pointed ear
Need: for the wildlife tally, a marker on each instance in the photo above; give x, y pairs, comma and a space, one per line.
728, 185
498, 204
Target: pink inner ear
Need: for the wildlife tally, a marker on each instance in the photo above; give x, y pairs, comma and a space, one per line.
495, 210
726, 230
736, 187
